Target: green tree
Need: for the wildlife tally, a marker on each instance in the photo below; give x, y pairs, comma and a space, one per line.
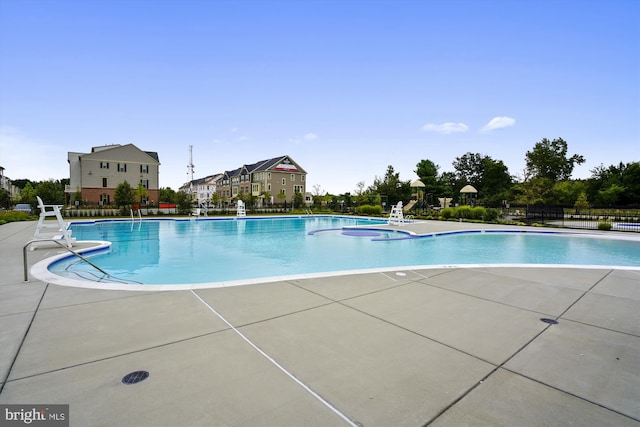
183, 203
4, 198
549, 160
469, 169
51, 192
124, 195
141, 193
581, 204
610, 195
490, 177
167, 195
215, 199
495, 182
615, 185
392, 187
535, 190
447, 183
28, 195
298, 200
566, 192
427, 171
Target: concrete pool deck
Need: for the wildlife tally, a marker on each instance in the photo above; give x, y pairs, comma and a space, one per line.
440, 346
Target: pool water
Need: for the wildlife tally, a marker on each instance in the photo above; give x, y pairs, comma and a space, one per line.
205, 251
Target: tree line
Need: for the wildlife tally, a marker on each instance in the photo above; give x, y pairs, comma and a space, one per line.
546, 180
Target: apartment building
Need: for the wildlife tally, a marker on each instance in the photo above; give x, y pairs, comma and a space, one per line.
264, 180
97, 174
6, 185
201, 189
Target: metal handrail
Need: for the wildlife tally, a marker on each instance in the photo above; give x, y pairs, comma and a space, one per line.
59, 243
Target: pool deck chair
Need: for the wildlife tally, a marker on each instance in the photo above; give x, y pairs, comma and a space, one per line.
396, 217
52, 229
241, 211
196, 212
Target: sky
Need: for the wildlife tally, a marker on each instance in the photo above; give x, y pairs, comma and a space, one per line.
345, 88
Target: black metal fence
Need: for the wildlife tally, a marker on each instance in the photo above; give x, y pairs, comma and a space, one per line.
605, 218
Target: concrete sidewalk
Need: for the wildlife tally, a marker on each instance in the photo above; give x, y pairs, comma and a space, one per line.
441, 347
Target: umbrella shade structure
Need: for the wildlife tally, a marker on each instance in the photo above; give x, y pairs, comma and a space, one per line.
468, 195
419, 186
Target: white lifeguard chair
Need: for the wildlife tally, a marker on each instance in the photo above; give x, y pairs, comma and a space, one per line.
241, 211
56, 230
396, 217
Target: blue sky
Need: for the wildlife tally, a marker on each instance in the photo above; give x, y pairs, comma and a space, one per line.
344, 87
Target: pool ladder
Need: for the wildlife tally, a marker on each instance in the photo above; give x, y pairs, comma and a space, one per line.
62, 245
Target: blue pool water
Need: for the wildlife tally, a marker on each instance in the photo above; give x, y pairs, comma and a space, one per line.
205, 251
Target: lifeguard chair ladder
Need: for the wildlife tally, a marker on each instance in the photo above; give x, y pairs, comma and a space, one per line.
396, 217
241, 211
49, 229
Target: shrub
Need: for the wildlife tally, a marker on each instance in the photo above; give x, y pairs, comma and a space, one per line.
463, 212
478, 212
369, 210
447, 213
490, 215
604, 225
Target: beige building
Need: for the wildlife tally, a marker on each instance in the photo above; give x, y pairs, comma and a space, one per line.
97, 174
264, 180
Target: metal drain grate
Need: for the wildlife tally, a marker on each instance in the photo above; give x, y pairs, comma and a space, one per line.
135, 377
549, 321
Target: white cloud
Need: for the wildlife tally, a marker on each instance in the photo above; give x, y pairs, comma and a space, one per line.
310, 137
498, 123
445, 128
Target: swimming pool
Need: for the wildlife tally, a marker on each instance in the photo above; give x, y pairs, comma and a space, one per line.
218, 252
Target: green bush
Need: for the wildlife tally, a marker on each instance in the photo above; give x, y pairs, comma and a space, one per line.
604, 225
463, 212
478, 212
369, 210
13, 216
447, 213
490, 215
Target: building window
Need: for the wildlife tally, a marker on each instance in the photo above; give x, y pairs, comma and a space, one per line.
104, 182
284, 181
283, 191
104, 198
298, 188
104, 165
269, 176
145, 183
268, 187
122, 167
302, 178
293, 177
144, 168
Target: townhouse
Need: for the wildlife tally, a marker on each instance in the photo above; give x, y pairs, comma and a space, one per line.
97, 174
271, 181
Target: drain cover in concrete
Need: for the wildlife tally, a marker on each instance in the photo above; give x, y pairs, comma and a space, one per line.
135, 377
